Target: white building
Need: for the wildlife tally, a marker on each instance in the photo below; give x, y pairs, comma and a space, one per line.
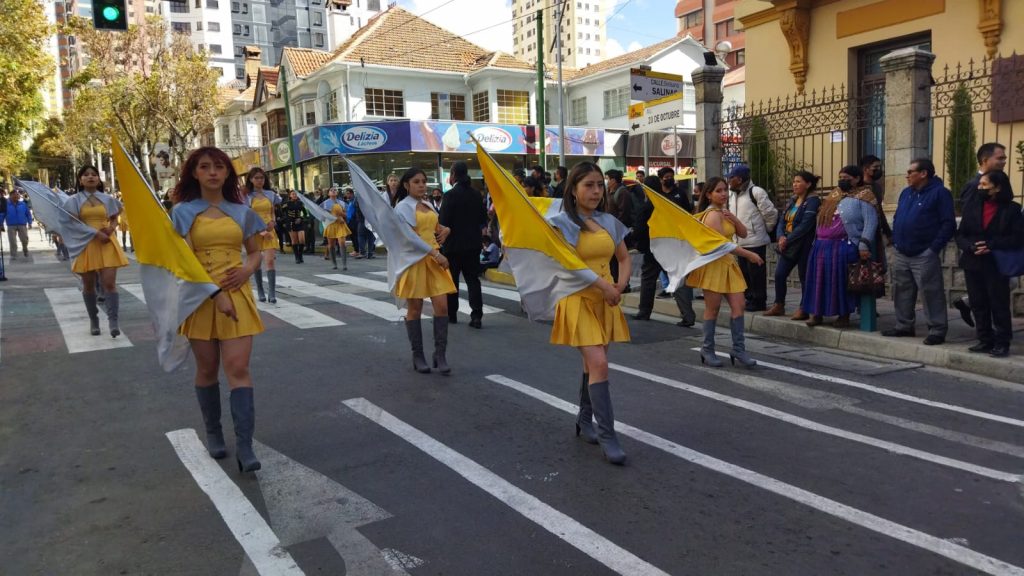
345, 17
208, 25
583, 30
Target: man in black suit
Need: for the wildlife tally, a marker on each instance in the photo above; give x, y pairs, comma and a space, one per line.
462, 210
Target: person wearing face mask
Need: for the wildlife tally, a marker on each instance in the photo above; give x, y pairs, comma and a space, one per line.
846, 226
436, 196
871, 166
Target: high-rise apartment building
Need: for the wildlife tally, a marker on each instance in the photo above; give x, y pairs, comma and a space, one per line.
208, 25
712, 22
583, 30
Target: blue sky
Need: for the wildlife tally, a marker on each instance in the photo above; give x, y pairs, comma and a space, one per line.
486, 22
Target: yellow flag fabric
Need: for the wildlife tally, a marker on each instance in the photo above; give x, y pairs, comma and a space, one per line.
174, 283
153, 236
546, 267
681, 243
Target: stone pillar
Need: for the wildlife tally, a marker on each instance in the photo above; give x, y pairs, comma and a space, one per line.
907, 113
707, 83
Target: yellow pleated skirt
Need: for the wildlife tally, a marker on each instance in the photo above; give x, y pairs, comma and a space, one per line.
424, 279
585, 319
723, 276
98, 255
337, 230
269, 242
206, 323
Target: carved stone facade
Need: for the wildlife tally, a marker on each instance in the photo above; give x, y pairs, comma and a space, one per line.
795, 22
990, 23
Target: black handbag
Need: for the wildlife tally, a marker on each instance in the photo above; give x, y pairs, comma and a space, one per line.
866, 277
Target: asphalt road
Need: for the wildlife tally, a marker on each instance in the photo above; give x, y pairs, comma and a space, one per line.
813, 463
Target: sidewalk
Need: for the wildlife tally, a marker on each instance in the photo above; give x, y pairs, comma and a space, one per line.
953, 354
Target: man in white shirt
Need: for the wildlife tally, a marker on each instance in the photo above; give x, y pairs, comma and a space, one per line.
752, 205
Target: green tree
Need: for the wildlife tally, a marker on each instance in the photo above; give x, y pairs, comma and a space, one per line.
961, 143
761, 157
24, 68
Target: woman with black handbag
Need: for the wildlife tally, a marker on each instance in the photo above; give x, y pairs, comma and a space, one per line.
795, 231
847, 223
991, 221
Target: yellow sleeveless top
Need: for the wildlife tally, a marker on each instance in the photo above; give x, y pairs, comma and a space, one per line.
584, 318
98, 254
425, 278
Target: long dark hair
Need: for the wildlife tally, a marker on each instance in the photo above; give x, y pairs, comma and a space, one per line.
1000, 180
401, 193
709, 187
78, 178
252, 172
188, 187
577, 174
811, 179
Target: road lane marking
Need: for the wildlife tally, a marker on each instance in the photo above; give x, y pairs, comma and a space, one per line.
503, 293
73, 320
885, 392
561, 525
383, 287
822, 428
260, 543
379, 308
297, 315
957, 553
134, 290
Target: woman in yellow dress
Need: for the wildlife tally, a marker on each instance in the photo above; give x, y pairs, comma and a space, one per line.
209, 214
336, 231
263, 200
126, 231
591, 319
428, 278
722, 277
98, 263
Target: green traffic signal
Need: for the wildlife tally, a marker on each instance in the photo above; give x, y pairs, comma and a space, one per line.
111, 13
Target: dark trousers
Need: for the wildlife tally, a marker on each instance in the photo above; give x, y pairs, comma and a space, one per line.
757, 279
990, 301
649, 273
783, 268
311, 237
367, 241
466, 263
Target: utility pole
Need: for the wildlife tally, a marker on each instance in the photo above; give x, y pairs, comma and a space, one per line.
542, 130
560, 13
288, 122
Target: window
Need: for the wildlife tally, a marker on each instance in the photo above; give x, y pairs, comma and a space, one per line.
318, 18
689, 97
381, 102
213, 26
199, 3
456, 106
318, 39
373, 5
236, 29
741, 57
264, 133
181, 27
225, 133
597, 51
578, 111
239, 51
245, 30
302, 19
331, 107
179, 8
725, 29
212, 4
513, 107
693, 19
245, 8
259, 13
260, 33
239, 72
235, 7
481, 107
307, 113
215, 49
199, 26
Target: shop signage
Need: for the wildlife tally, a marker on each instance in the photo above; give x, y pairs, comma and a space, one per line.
645, 85
656, 115
442, 136
364, 137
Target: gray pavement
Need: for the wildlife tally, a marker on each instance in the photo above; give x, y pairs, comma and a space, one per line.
818, 461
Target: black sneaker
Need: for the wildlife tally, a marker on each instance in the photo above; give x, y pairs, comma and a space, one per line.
897, 333
685, 323
933, 340
981, 347
1000, 351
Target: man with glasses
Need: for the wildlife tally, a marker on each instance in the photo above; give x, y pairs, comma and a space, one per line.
922, 226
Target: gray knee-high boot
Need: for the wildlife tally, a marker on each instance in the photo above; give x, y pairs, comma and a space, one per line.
272, 286
334, 256
259, 284
441, 344
415, 331
585, 418
209, 404
707, 348
94, 312
601, 399
243, 412
739, 344
113, 307
344, 255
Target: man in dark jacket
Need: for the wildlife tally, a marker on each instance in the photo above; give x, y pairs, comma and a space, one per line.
922, 226
651, 269
462, 210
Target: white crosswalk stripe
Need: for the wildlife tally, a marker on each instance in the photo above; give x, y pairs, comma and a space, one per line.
503, 293
379, 308
383, 287
73, 319
297, 315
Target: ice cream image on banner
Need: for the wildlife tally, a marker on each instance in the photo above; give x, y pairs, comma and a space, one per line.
451, 139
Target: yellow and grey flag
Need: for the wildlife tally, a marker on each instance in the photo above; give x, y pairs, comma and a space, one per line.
680, 242
174, 283
48, 208
546, 267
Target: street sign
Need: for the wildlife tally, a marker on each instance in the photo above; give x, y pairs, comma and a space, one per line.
661, 114
645, 85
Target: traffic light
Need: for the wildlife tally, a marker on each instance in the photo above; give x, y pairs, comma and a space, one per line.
109, 14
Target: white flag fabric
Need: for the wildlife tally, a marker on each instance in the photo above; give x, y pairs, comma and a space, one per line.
404, 246
317, 212
48, 208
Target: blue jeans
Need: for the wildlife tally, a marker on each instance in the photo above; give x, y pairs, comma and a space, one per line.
367, 241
